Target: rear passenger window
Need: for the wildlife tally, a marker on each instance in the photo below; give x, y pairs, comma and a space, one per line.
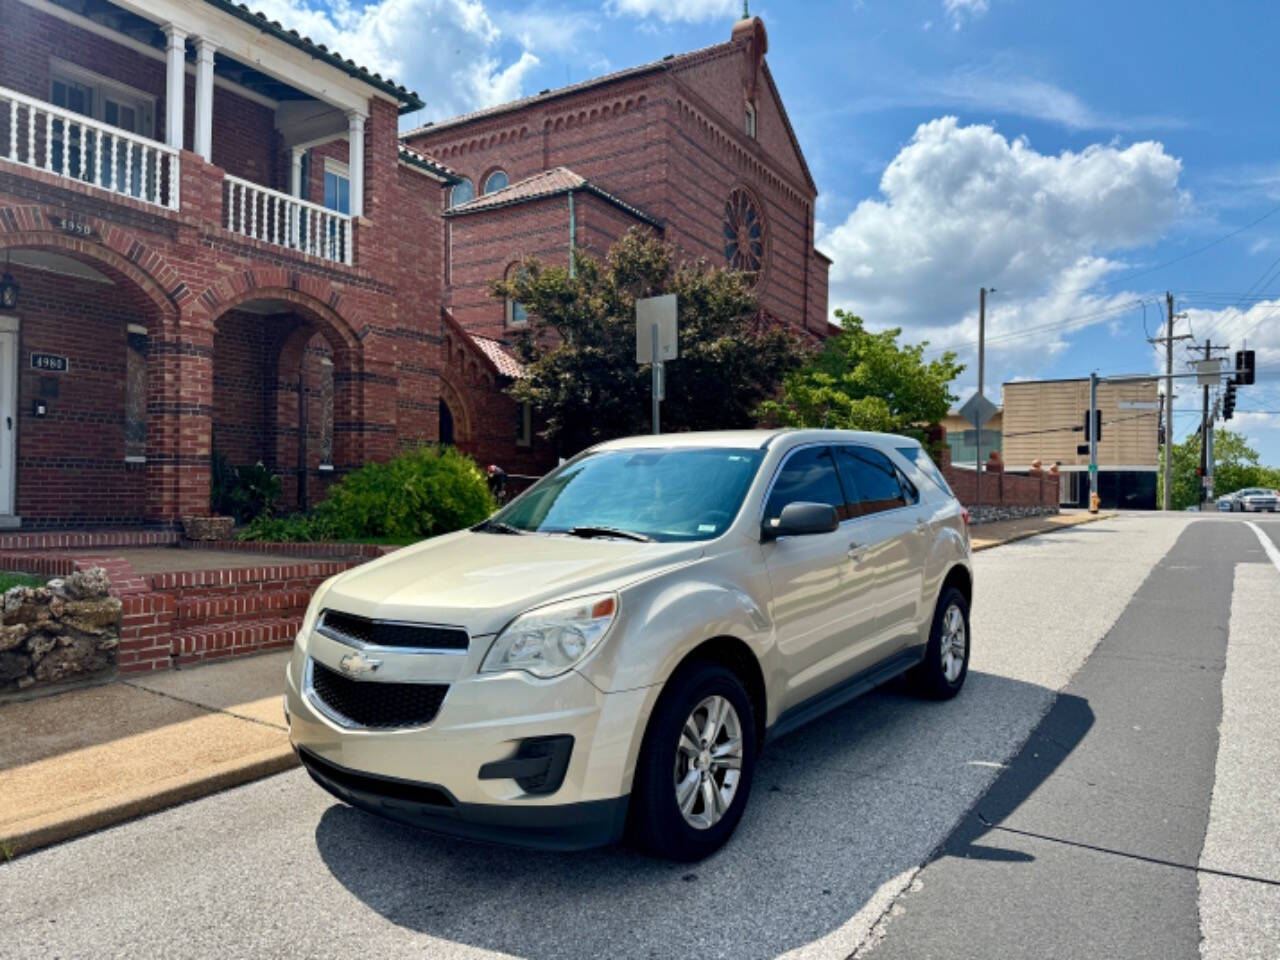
809, 475
878, 483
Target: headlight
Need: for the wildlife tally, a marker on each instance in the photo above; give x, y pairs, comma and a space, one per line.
548, 641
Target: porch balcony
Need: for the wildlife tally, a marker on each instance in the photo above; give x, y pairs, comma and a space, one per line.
46, 137
281, 122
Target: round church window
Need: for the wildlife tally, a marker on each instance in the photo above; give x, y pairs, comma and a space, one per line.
744, 235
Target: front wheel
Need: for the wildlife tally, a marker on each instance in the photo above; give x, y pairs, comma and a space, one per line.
946, 659
696, 765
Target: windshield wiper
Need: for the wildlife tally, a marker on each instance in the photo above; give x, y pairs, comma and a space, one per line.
588, 532
498, 526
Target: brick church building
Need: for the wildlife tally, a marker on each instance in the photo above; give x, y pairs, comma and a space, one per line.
216, 241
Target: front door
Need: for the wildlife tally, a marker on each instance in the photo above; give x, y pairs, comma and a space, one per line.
8, 416
820, 608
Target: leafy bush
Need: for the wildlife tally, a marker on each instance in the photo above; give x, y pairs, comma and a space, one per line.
423, 492
245, 493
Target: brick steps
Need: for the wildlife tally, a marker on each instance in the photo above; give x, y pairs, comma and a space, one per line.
231, 639
192, 616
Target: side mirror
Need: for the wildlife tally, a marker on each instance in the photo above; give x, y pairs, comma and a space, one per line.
801, 519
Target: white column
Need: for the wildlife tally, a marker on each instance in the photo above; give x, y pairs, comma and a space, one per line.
295, 171
355, 161
204, 99
175, 85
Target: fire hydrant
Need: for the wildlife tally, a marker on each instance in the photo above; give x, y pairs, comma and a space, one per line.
1094, 501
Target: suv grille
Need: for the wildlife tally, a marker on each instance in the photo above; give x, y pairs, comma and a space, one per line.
367, 703
383, 633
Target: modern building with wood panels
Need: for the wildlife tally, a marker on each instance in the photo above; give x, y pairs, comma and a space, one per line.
1043, 420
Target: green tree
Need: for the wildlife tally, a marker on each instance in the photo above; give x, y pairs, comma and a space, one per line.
1236, 465
867, 381
579, 346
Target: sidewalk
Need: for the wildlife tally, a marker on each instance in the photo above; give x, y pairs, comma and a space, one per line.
81, 760
984, 536
87, 758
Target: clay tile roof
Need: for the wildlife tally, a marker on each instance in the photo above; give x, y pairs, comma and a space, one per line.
416, 158
409, 100
666, 63
496, 351
549, 183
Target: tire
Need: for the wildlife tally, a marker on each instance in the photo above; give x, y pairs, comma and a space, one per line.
940, 677
658, 824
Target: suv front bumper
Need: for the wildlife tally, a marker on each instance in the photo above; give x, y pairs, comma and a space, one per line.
431, 776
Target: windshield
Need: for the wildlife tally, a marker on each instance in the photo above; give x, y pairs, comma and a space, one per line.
660, 494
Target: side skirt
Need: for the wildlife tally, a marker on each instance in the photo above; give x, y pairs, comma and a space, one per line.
843, 692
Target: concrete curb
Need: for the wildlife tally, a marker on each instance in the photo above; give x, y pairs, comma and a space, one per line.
24, 836
1027, 535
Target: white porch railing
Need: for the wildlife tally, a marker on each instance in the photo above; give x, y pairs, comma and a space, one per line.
45, 137
266, 214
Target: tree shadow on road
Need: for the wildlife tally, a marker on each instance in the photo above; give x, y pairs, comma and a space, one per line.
841, 810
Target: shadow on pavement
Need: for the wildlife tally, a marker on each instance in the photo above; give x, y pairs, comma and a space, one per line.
839, 809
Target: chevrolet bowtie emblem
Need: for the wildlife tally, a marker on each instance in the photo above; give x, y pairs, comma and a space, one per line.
357, 665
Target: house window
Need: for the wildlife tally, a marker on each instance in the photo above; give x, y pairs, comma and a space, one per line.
524, 425
461, 193
337, 186
751, 120
135, 394
516, 315
496, 181
75, 150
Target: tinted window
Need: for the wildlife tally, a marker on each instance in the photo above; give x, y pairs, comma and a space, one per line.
809, 475
874, 478
921, 459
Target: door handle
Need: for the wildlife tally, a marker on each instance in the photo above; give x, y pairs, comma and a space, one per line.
8, 422
856, 549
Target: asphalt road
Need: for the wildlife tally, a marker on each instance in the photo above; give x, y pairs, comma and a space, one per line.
1104, 786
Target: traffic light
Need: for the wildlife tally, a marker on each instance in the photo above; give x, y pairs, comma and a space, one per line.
1244, 367
1097, 425
1229, 400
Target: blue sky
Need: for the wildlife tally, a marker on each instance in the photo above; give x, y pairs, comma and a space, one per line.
1063, 153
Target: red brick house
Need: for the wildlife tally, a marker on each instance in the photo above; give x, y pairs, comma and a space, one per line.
218, 241
696, 146
208, 218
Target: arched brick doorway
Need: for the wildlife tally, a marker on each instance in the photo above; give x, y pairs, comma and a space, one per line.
84, 445
286, 391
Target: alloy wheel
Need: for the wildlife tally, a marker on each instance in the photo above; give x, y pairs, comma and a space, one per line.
952, 645
708, 762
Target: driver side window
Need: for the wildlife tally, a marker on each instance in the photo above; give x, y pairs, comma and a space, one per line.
808, 475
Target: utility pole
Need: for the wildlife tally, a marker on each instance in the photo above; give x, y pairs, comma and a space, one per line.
982, 366
1168, 341
1094, 422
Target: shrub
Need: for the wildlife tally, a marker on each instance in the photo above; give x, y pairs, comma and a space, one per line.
423, 492
245, 493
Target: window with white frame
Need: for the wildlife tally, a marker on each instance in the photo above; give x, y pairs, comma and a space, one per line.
337, 185
751, 120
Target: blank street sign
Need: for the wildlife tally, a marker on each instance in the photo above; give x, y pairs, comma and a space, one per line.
662, 311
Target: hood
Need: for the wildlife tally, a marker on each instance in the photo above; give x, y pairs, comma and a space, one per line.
481, 581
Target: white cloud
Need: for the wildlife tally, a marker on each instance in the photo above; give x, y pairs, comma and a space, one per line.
961, 10
962, 207
1001, 88
669, 11
446, 50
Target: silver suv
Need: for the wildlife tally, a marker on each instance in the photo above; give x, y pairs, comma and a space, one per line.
609, 653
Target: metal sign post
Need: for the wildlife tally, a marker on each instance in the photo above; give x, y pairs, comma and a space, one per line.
656, 342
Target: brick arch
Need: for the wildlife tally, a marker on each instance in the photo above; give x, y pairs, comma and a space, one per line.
455, 395
313, 298
154, 285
